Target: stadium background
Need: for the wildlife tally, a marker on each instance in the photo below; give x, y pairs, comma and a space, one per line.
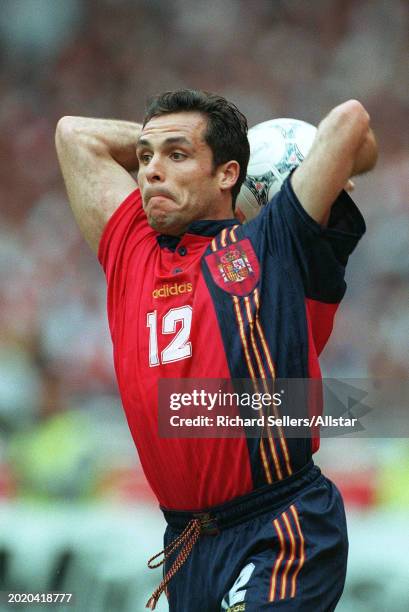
75, 512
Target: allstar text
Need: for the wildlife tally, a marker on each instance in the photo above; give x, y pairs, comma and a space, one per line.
261, 421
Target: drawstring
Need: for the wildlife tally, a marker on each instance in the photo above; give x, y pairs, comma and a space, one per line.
187, 539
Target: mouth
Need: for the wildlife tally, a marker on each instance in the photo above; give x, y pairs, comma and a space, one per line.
158, 197
153, 194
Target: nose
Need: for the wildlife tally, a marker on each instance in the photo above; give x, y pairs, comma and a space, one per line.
154, 170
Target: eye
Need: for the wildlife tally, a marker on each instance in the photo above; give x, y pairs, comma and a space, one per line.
145, 158
177, 155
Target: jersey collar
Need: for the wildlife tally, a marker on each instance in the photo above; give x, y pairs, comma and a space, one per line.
205, 227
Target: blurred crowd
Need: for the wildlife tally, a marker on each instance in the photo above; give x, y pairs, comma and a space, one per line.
103, 58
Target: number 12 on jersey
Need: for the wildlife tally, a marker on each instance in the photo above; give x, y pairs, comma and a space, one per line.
179, 347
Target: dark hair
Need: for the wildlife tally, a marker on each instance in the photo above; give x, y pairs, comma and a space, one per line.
226, 132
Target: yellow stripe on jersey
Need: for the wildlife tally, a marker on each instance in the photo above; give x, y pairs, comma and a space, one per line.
223, 237
233, 236
271, 367
292, 556
262, 374
243, 336
261, 333
294, 512
278, 560
250, 367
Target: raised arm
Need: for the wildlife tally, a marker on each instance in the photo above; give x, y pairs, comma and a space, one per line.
96, 157
343, 147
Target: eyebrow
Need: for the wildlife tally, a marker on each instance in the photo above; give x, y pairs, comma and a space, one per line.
144, 142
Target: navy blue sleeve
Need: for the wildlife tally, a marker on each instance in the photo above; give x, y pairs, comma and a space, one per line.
320, 253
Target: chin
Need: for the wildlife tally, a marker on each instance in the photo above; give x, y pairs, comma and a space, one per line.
165, 225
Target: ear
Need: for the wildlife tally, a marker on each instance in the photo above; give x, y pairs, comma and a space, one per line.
228, 174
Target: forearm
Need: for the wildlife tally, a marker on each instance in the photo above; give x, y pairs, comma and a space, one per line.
96, 157
344, 146
103, 137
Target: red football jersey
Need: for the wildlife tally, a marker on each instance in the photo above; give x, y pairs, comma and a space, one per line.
147, 285
225, 301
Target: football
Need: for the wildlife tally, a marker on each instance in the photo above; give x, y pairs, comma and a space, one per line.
276, 147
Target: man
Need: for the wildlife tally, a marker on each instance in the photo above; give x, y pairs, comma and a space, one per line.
252, 524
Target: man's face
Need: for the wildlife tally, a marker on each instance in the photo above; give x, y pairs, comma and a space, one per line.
176, 177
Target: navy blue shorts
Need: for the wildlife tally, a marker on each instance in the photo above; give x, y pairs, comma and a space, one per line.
283, 547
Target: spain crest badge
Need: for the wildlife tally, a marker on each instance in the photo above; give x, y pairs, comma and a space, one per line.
235, 268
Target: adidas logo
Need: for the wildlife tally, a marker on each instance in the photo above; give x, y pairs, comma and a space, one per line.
167, 290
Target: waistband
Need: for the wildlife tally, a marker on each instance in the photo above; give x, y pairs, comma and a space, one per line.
248, 506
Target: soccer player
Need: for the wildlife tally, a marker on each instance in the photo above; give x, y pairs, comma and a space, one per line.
252, 524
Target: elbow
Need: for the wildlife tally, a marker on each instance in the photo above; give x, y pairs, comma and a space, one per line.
65, 130
75, 132
357, 110
351, 120
366, 153
354, 115
359, 117
65, 125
